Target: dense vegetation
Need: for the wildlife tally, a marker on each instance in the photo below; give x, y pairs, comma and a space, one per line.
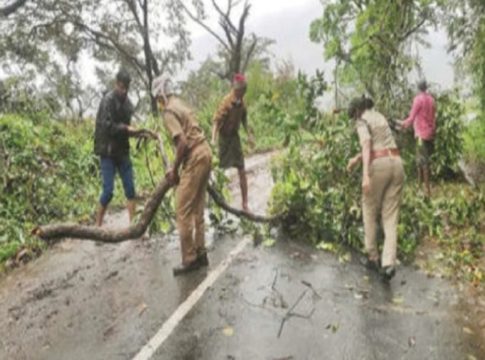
48, 171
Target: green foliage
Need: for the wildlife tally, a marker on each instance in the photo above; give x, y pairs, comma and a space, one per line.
465, 23
49, 38
448, 149
474, 140
321, 201
278, 104
371, 43
448, 142
319, 207
48, 173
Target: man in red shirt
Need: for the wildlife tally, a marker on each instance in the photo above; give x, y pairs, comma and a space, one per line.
423, 120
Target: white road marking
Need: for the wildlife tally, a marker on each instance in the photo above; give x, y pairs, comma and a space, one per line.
169, 326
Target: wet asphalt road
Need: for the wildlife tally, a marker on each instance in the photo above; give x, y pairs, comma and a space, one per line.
83, 301
344, 313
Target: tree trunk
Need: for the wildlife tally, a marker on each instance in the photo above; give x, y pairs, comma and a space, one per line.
58, 231
110, 236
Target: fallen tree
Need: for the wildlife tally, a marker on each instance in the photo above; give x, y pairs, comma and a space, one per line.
76, 231
134, 231
70, 230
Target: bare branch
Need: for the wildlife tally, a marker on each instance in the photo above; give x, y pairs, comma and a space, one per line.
112, 44
225, 16
13, 7
204, 25
250, 53
132, 6
414, 29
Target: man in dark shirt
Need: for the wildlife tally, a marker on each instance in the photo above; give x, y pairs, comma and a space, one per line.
111, 144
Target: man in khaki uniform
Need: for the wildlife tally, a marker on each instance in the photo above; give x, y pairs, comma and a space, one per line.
382, 182
230, 115
194, 158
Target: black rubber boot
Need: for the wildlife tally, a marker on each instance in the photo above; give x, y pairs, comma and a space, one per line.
184, 269
203, 259
370, 264
388, 272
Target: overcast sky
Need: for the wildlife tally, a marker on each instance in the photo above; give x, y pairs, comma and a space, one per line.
288, 22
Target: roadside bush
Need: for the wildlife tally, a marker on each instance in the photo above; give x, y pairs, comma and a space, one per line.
448, 143
48, 172
474, 140
321, 201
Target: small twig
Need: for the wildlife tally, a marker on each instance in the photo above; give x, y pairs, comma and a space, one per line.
219, 200
147, 161
309, 285
275, 279
308, 316
289, 313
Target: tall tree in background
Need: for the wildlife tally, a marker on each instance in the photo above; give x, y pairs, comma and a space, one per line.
372, 43
237, 48
465, 22
106, 32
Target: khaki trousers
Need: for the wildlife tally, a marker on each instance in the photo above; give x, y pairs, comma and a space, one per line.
190, 202
383, 200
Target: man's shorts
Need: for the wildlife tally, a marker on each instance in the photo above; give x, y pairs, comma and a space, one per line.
231, 152
424, 151
109, 168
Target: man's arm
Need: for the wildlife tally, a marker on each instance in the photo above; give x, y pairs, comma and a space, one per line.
365, 140
245, 121
180, 151
354, 161
366, 148
414, 112
215, 132
174, 128
247, 129
219, 118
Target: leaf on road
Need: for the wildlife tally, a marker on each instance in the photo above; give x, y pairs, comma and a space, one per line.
269, 242
228, 331
359, 295
412, 341
397, 300
345, 258
333, 327
141, 308
326, 246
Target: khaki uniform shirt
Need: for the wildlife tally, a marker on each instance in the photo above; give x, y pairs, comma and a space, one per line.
373, 126
230, 114
179, 119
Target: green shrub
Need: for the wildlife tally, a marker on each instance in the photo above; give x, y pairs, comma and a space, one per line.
321, 201
474, 138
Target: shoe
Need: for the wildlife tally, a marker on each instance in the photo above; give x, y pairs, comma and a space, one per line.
203, 259
184, 269
370, 264
388, 272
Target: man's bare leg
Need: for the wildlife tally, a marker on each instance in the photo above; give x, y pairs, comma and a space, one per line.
243, 181
420, 174
426, 176
100, 215
131, 207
